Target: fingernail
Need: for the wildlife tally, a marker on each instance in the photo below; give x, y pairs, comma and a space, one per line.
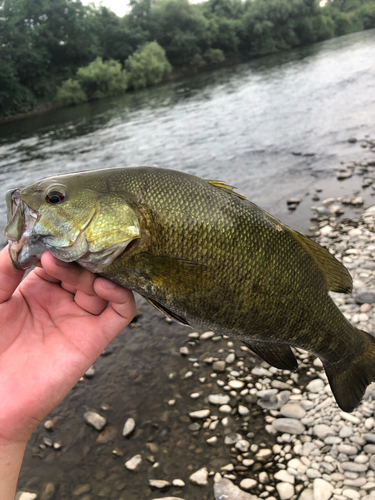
107, 283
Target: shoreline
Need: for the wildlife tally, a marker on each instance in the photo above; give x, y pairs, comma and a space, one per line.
210, 418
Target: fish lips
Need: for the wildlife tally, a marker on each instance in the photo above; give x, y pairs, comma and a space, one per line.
25, 248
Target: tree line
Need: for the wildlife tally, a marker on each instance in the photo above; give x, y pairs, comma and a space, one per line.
64, 51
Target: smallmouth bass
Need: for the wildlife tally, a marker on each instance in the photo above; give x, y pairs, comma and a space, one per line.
202, 254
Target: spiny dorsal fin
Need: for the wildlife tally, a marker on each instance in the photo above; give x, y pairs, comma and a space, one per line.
277, 355
337, 276
226, 188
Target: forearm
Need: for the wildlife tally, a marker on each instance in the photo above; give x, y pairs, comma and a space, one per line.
11, 456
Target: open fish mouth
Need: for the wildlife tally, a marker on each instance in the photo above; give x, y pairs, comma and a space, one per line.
23, 251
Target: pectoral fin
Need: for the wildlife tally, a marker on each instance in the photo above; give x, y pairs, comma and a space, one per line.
167, 312
277, 355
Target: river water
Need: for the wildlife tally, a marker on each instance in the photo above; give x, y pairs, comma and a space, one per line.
240, 124
275, 128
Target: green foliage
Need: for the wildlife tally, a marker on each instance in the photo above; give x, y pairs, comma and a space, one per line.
70, 93
102, 79
214, 56
44, 43
147, 66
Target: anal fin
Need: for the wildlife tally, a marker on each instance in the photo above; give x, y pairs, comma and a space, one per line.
167, 312
277, 355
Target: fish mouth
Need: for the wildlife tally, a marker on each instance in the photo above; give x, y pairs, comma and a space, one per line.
23, 251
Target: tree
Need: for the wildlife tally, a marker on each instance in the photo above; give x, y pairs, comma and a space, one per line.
147, 66
102, 79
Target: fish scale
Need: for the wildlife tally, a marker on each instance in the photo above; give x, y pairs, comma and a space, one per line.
204, 255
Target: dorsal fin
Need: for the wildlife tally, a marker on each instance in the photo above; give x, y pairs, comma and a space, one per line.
337, 276
226, 188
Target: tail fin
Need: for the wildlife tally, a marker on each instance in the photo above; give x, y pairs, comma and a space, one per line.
349, 381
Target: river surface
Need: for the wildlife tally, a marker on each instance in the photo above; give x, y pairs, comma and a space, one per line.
240, 124
276, 127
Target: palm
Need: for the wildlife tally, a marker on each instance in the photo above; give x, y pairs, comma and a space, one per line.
52, 336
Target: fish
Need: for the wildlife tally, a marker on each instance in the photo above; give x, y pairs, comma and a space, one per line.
202, 254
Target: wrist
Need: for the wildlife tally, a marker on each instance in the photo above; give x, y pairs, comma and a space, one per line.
11, 455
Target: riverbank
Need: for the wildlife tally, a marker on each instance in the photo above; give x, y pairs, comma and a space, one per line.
219, 420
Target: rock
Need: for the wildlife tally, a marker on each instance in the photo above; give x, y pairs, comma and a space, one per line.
224, 489
292, 410
323, 430
206, 335
357, 201
350, 493
225, 409
294, 201
26, 495
158, 484
199, 414
343, 174
315, 386
232, 438
264, 455
326, 230
50, 424
352, 140
365, 297
178, 482
242, 445
243, 410
236, 384
248, 484
218, 399
133, 463
284, 476
200, 477
212, 440
306, 494
81, 489
322, 489
128, 427
184, 351
167, 498
107, 435
285, 490
219, 366
354, 467
273, 401
289, 425
90, 372
48, 491
230, 358
95, 420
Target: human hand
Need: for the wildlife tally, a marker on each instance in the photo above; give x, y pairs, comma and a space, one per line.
52, 328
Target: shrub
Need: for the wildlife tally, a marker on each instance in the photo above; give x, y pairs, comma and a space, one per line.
102, 79
70, 93
147, 65
214, 56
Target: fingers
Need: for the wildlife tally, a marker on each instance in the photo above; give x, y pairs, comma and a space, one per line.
121, 310
10, 277
72, 276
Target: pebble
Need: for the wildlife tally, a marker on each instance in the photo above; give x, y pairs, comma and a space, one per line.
233, 438
248, 484
219, 366
292, 410
179, 483
285, 490
322, 489
90, 372
158, 484
128, 427
199, 414
315, 386
224, 489
289, 425
243, 410
200, 477
323, 430
218, 399
134, 462
206, 335
236, 384
95, 420
26, 495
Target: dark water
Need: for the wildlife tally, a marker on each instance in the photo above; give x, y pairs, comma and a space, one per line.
239, 124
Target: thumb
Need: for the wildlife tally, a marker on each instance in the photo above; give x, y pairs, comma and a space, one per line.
10, 277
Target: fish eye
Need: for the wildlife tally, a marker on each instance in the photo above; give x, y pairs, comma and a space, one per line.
54, 197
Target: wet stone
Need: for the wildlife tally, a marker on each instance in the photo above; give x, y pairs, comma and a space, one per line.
128, 427
219, 366
158, 484
248, 484
288, 425
26, 495
200, 477
219, 399
134, 462
225, 489
199, 414
95, 420
232, 438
